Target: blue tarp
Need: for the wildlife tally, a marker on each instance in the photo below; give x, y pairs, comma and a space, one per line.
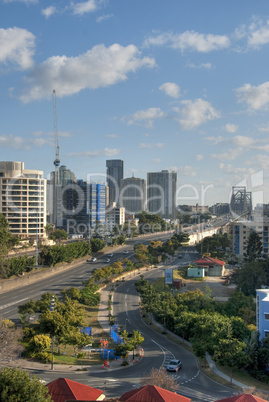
86, 330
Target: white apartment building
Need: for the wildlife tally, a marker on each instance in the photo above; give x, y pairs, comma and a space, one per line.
240, 231
115, 216
23, 199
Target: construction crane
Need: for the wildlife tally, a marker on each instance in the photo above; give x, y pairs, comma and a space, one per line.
56, 162
57, 149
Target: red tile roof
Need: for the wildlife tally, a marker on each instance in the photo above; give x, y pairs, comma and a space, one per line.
209, 260
242, 398
63, 389
151, 393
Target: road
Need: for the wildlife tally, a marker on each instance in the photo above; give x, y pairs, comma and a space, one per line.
158, 349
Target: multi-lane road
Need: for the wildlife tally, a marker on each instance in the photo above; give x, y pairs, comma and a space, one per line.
158, 349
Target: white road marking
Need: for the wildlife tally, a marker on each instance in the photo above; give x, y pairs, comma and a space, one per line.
11, 304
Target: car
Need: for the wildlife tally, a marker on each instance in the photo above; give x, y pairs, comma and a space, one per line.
110, 255
93, 259
180, 256
125, 252
174, 365
107, 260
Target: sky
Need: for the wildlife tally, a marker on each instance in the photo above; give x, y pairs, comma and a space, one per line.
178, 85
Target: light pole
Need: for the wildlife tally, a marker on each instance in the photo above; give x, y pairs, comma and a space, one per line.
52, 307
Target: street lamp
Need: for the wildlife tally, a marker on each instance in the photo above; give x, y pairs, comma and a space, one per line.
52, 307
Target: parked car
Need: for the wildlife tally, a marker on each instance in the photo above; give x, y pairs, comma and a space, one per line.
174, 365
110, 255
93, 259
126, 252
107, 260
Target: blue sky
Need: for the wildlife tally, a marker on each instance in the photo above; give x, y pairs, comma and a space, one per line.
177, 85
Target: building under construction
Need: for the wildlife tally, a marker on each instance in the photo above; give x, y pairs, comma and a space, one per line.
241, 202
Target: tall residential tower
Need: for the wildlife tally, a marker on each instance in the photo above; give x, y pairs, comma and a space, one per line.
23, 199
114, 174
161, 193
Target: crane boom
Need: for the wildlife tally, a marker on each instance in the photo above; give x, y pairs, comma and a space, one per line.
57, 149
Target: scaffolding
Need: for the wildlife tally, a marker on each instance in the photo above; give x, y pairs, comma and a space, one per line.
241, 201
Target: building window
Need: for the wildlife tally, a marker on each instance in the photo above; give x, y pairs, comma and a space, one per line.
266, 316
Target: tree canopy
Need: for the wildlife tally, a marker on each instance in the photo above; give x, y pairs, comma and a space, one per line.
17, 386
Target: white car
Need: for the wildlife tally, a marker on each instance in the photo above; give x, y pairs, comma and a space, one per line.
174, 365
126, 252
107, 260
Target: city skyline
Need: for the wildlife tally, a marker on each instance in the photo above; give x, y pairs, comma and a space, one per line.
180, 87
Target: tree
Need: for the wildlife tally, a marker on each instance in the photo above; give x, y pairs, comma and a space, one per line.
230, 352
7, 241
254, 247
160, 379
251, 277
9, 340
17, 386
58, 235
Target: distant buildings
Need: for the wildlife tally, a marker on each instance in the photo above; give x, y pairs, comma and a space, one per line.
161, 193
221, 208
133, 195
114, 174
23, 199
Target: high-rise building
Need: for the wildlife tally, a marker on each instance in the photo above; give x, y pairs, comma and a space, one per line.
23, 199
114, 174
133, 195
97, 204
84, 206
65, 178
161, 193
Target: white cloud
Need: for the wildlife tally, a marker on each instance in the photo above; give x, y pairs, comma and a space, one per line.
229, 155
215, 140
84, 7
171, 89
112, 136
206, 66
261, 160
147, 116
199, 157
183, 170
150, 146
190, 40
98, 67
258, 33
104, 152
255, 97
17, 47
197, 112
264, 129
242, 142
156, 160
229, 169
231, 128
49, 11
104, 17
21, 1
16, 142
